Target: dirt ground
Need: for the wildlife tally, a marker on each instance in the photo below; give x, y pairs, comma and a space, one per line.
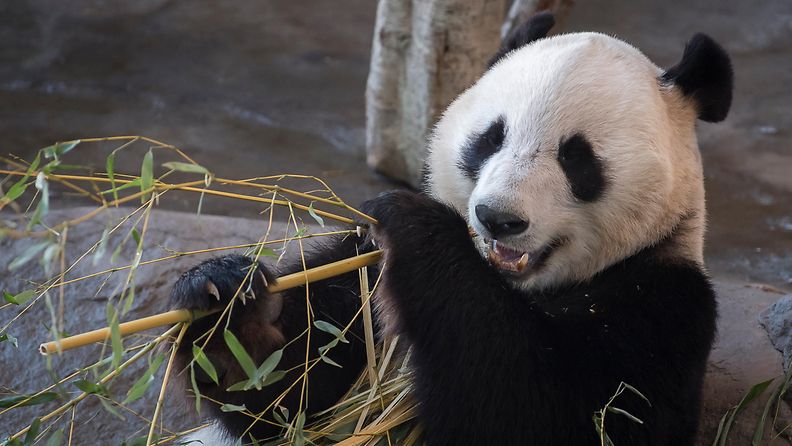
255, 88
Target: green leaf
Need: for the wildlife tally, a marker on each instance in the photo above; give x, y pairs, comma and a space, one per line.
32, 433
144, 382
29, 400
42, 208
205, 363
59, 149
110, 409
316, 217
232, 408
268, 366
28, 255
186, 167
7, 337
326, 359
90, 387
240, 386
625, 413
136, 236
21, 298
18, 188
327, 327
115, 335
114, 191
110, 167
273, 377
281, 415
196, 391
241, 355
263, 251
56, 438
728, 418
147, 174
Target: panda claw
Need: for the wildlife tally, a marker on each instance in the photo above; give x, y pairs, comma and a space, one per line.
211, 288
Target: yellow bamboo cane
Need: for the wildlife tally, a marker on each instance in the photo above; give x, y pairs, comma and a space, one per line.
176, 316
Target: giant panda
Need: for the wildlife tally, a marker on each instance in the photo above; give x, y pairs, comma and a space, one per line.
574, 160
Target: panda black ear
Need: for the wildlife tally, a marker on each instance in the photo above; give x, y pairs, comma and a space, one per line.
705, 75
535, 28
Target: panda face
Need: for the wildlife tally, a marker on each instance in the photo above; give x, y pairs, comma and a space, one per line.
567, 156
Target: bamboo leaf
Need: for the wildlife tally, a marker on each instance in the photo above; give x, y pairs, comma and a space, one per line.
205, 363
186, 167
32, 433
115, 335
90, 387
59, 149
142, 384
115, 190
326, 359
332, 329
196, 391
7, 337
625, 413
232, 408
27, 400
56, 438
147, 174
110, 167
21, 298
728, 418
28, 255
273, 377
241, 355
313, 214
18, 188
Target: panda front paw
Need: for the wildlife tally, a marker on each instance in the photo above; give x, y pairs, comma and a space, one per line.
407, 218
213, 283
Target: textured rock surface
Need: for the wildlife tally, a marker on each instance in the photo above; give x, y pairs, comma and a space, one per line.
777, 320
25, 370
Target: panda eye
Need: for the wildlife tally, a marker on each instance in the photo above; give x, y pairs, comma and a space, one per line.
583, 169
482, 146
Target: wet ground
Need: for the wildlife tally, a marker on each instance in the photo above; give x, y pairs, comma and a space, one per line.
257, 88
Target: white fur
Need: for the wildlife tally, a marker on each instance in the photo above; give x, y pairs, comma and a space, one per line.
642, 130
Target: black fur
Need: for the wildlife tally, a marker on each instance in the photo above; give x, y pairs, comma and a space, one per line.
495, 365
704, 74
481, 147
584, 170
334, 300
534, 29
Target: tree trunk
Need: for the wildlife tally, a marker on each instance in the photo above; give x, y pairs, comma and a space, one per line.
424, 53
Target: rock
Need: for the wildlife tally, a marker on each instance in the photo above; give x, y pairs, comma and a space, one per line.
777, 320
741, 357
25, 370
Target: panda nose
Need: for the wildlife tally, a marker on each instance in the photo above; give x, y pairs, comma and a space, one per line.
500, 223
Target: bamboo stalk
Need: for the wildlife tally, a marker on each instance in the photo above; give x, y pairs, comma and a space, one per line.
177, 316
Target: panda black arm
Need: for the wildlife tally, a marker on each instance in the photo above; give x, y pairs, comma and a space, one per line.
269, 322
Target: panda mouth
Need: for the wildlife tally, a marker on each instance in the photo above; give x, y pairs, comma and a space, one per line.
517, 262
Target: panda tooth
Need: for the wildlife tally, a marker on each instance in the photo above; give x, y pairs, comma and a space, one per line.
523, 262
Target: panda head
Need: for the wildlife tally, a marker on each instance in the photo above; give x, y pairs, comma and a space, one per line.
574, 152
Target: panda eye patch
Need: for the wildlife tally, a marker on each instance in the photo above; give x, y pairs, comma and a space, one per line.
480, 147
583, 169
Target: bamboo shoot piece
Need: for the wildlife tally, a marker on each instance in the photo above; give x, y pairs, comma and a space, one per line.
176, 316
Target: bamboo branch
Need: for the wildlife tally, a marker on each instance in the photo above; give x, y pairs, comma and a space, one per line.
177, 316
